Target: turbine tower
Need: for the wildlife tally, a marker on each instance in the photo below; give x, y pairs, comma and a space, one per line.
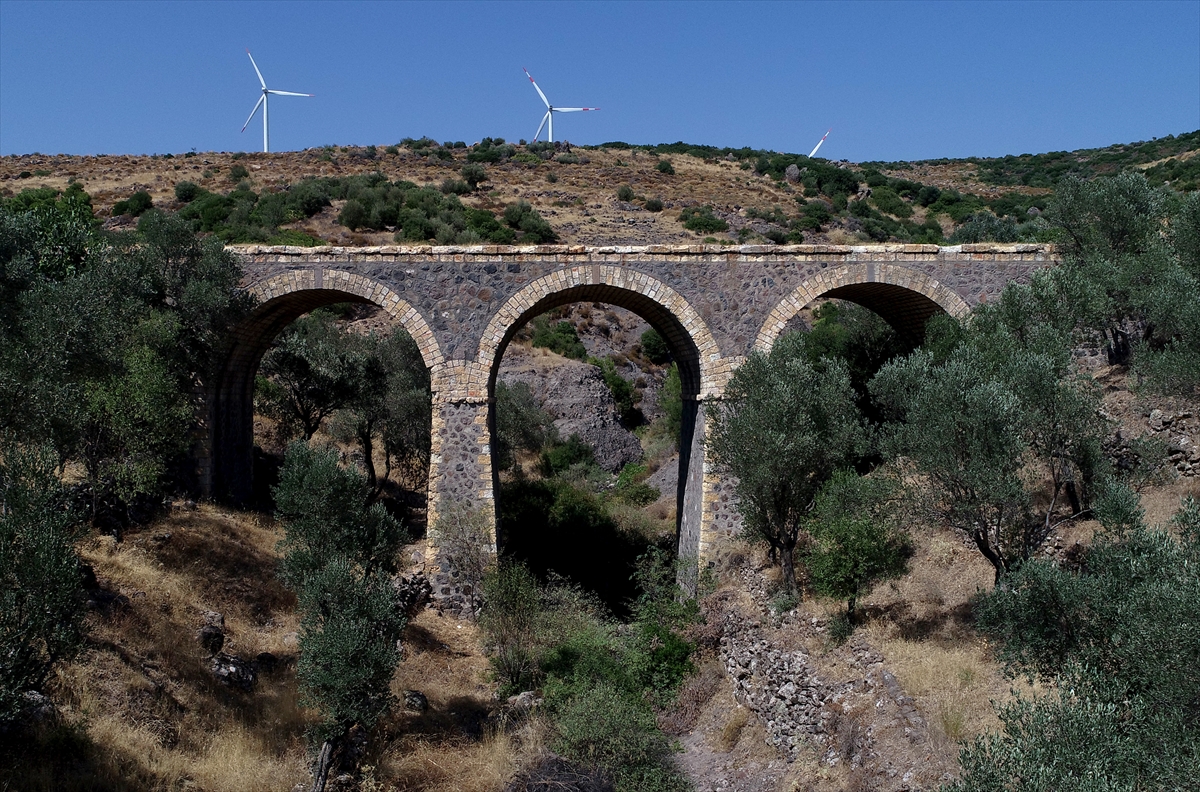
551, 109
262, 100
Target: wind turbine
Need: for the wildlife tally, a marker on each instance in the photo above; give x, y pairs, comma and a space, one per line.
262, 100
551, 109
813, 153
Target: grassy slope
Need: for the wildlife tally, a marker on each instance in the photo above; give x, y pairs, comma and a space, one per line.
581, 204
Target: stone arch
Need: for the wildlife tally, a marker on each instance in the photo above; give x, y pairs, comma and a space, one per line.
227, 470
656, 302
703, 369
904, 297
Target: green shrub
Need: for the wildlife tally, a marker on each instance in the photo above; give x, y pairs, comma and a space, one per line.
654, 205
474, 174
237, 173
533, 227
455, 186
558, 458
559, 338
654, 347
665, 166
511, 603
568, 158
41, 596
134, 205
670, 401
604, 727
625, 193
702, 220
353, 215
888, 201
984, 227
187, 191
618, 386
521, 423
632, 487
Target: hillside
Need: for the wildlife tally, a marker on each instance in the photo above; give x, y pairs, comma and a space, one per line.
751, 195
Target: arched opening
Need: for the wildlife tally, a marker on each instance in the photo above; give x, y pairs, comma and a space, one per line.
904, 298
230, 473
600, 563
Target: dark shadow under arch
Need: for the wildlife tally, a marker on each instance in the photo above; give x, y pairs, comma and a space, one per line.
687, 357
231, 396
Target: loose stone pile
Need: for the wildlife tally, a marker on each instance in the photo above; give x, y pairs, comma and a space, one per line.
1178, 430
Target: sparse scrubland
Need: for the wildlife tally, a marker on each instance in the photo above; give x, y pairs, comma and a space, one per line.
420, 192
968, 564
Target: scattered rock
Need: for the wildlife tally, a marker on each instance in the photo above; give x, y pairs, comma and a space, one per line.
792, 174
415, 701
233, 671
212, 638
412, 593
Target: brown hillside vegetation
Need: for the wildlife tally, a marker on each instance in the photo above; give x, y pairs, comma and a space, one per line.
141, 709
578, 200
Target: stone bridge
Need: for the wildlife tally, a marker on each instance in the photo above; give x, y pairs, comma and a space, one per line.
713, 304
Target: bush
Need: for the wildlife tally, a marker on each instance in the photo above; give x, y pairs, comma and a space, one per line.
984, 227
533, 227
41, 597
568, 158
474, 174
888, 201
654, 347
702, 220
654, 205
632, 488
134, 205
187, 191
665, 166
622, 391
521, 423
605, 728
455, 187
237, 173
560, 457
511, 602
625, 193
559, 338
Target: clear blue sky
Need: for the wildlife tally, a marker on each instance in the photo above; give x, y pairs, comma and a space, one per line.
895, 80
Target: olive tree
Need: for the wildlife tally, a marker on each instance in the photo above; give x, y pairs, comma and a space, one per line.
338, 553
311, 372
41, 597
783, 428
1131, 272
1118, 636
858, 537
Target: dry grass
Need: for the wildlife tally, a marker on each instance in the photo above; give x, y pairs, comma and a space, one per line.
581, 204
139, 709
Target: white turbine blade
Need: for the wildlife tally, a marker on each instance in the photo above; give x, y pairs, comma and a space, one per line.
287, 93
256, 71
261, 99
535, 86
813, 153
535, 137
573, 109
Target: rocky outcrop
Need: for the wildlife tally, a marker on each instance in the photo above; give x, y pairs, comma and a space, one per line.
574, 393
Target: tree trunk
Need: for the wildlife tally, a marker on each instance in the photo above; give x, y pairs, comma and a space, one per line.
367, 443
993, 556
324, 761
786, 554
